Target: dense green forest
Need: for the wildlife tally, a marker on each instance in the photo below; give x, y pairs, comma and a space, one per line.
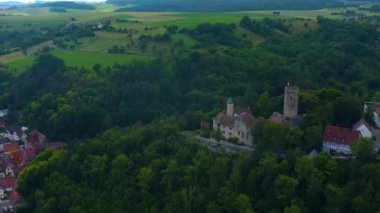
150, 169
123, 125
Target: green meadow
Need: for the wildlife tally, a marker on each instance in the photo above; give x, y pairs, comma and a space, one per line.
81, 59
94, 50
88, 59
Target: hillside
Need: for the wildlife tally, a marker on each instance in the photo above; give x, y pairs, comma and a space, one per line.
254, 111
223, 5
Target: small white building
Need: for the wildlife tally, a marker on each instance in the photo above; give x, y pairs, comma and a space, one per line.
363, 127
376, 117
235, 122
3, 113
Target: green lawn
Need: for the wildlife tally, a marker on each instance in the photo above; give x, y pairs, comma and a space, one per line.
21, 64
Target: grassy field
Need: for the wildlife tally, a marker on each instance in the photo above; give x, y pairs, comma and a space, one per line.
94, 50
81, 59
88, 59
186, 20
41, 17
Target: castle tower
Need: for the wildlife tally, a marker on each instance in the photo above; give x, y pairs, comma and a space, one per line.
291, 101
230, 107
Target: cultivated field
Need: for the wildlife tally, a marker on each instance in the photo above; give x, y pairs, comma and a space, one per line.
92, 50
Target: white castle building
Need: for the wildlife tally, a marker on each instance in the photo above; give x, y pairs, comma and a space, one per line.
235, 122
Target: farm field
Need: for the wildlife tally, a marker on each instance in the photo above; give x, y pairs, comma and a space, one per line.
42, 17
91, 50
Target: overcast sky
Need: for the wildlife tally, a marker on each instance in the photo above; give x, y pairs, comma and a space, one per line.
28, 1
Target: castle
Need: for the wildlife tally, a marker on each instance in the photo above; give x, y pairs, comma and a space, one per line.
235, 122
290, 110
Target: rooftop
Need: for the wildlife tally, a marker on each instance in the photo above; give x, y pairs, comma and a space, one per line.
339, 135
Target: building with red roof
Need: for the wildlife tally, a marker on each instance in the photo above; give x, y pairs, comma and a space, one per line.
276, 117
235, 122
8, 183
10, 147
17, 158
339, 139
35, 137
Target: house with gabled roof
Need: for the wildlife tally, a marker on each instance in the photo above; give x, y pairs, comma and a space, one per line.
10, 148
363, 127
235, 122
35, 137
8, 183
339, 139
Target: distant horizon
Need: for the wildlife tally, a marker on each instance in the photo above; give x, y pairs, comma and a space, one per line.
34, 1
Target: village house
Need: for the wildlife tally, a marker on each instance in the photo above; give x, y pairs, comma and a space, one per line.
339, 139
14, 134
17, 150
235, 122
363, 127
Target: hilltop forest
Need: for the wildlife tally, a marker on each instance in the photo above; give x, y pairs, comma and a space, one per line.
123, 124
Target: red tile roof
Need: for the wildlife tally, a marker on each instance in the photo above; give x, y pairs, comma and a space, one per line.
17, 158
276, 117
30, 152
340, 135
10, 147
7, 182
36, 137
224, 119
247, 118
241, 112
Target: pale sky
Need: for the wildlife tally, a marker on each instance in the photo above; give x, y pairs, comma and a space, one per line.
31, 1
